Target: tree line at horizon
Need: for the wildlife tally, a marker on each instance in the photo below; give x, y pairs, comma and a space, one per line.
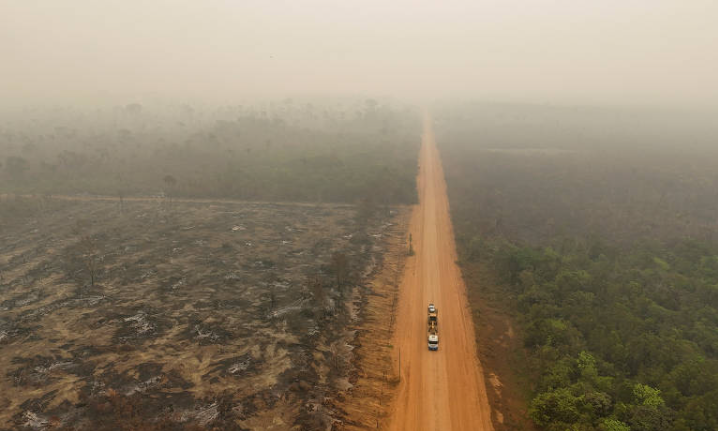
345, 151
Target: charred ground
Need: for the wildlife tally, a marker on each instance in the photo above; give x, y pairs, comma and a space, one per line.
200, 315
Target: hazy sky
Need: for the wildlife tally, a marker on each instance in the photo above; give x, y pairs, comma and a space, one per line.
638, 51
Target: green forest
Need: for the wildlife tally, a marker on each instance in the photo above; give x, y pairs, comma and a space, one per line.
326, 151
605, 256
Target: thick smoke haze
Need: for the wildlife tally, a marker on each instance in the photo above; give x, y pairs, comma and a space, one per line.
575, 51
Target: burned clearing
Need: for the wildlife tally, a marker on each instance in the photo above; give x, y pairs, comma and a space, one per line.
182, 315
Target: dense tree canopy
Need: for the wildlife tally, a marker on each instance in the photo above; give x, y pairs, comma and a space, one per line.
610, 262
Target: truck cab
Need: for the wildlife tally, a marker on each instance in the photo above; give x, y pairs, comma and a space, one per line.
433, 332
433, 342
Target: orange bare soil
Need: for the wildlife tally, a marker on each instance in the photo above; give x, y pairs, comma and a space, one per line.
443, 390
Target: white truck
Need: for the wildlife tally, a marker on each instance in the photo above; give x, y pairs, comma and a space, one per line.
433, 328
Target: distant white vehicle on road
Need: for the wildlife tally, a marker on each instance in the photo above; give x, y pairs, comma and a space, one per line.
433, 327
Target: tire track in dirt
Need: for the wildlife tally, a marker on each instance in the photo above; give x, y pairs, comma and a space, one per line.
443, 390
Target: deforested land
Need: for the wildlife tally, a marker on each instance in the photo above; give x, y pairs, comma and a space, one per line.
204, 292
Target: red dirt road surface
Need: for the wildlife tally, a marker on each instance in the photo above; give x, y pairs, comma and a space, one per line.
442, 390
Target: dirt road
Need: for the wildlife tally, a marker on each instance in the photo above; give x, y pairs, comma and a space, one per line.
442, 390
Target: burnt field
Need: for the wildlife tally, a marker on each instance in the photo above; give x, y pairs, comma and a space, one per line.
182, 315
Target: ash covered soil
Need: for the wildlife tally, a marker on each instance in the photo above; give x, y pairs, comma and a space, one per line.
201, 316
